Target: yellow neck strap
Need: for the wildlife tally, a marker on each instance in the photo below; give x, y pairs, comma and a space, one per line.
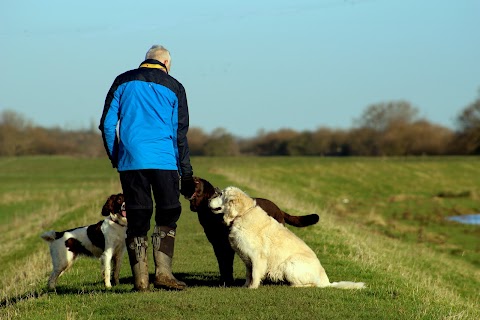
151, 65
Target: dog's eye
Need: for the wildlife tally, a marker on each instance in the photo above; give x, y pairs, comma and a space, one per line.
218, 192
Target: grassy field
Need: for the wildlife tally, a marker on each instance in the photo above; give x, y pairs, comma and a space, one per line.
382, 222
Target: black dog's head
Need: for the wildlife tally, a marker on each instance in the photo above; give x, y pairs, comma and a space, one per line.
203, 191
114, 204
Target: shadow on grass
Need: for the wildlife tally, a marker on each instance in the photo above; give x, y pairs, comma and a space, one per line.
9, 301
203, 279
193, 280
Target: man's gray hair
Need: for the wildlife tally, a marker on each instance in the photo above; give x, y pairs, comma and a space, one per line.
158, 52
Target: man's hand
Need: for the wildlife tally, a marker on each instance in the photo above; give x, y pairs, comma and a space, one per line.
187, 187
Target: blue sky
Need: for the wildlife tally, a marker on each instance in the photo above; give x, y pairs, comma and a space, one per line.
246, 65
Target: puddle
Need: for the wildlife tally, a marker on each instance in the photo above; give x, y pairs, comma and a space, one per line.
466, 218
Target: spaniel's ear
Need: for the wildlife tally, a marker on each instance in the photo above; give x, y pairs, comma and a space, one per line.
198, 185
108, 206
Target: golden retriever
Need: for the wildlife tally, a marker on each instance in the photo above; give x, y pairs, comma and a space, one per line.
217, 232
269, 249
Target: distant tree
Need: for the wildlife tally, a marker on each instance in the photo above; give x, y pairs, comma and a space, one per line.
14, 119
221, 143
328, 142
196, 141
14, 136
417, 138
48, 142
386, 128
363, 142
322, 142
468, 122
274, 143
429, 139
19, 137
469, 118
301, 145
382, 115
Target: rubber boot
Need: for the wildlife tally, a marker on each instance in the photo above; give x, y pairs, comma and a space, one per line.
137, 254
163, 240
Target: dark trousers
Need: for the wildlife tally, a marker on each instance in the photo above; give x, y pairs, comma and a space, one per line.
138, 186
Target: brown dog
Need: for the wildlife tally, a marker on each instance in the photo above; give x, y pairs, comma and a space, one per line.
217, 232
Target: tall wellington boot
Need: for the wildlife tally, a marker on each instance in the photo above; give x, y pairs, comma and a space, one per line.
137, 254
163, 240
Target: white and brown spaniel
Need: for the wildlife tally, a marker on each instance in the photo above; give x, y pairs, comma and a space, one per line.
104, 240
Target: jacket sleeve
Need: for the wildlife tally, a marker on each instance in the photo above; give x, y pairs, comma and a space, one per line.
182, 129
108, 123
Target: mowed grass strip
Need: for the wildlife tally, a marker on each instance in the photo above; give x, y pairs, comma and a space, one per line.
365, 234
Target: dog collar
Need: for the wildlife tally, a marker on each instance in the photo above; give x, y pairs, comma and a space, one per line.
248, 210
116, 222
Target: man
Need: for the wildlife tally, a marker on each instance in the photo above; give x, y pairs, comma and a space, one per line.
144, 128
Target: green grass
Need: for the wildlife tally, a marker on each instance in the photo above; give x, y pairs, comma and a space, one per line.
382, 222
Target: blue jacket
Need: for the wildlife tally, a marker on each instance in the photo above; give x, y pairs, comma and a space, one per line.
151, 111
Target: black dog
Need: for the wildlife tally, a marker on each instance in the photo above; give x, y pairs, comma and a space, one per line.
217, 232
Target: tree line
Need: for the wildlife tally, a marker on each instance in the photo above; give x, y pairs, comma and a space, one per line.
384, 129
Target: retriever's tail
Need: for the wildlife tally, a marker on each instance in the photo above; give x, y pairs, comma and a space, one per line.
49, 236
347, 285
301, 221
